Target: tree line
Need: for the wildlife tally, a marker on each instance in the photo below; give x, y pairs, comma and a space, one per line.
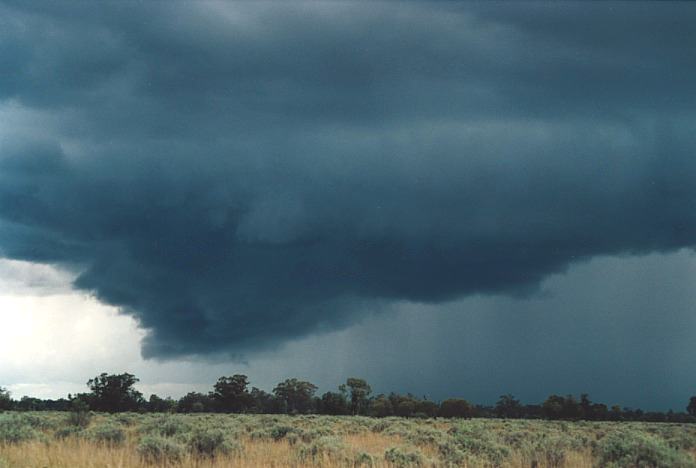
117, 393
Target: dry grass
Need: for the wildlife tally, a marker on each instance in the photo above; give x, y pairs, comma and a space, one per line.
332, 442
84, 454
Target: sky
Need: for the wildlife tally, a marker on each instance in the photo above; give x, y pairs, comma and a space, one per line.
450, 199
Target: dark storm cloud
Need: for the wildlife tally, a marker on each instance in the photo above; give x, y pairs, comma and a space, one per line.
235, 175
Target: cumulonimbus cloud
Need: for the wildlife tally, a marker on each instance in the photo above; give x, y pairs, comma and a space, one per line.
236, 175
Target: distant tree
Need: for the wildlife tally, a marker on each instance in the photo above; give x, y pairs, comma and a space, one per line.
456, 408
616, 414
79, 413
297, 395
380, 407
27, 403
194, 402
427, 408
599, 412
558, 407
585, 407
160, 405
508, 407
405, 408
691, 409
334, 403
61, 404
114, 393
5, 399
231, 394
359, 391
263, 402
553, 407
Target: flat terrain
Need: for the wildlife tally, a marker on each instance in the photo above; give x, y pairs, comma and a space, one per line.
216, 440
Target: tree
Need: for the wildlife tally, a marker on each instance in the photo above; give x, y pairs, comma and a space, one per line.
585, 406
508, 407
381, 407
27, 403
558, 407
553, 407
194, 402
114, 393
334, 403
5, 399
427, 408
456, 408
263, 402
79, 412
297, 395
405, 408
599, 412
231, 394
616, 414
160, 405
691, 409
359, 391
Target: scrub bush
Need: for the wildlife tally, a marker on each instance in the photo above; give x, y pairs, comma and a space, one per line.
638, 449
156, 449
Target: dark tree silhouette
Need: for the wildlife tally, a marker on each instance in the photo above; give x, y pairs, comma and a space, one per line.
456, 408
381, 407
691, 409
359, 391
558, 407
264, 402
231, 394
160, 405
427, 408
5, 400
334, 403
114, 393
194, 402
296, 394
508, 407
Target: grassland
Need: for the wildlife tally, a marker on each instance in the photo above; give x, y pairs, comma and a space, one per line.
215, 440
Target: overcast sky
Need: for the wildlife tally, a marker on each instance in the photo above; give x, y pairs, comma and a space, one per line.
452, 199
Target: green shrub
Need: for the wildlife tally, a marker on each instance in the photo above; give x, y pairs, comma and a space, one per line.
451, 454
127, 419
280, 431
80, 415
37, 421
155, 449
172, 426
363, 459
166, 426
316, 433
553, 451
107, 433
426, 436
68, 431
293, 438
638, 449
481, 443
680, 437
212, 442
381, 426
404, 457
15, 429
79, 418
324, 447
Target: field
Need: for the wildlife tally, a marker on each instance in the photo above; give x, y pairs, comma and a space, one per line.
73, 440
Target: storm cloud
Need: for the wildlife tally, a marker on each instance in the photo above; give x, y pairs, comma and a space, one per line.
235, 175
